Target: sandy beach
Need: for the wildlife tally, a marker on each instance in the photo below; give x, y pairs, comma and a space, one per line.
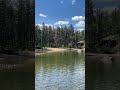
52, 50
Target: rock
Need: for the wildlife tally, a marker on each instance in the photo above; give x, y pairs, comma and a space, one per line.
106, 60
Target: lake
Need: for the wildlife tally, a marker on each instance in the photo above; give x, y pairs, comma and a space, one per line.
17, 72
60, 71
101, 75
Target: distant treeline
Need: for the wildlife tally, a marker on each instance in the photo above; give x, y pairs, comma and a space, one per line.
48, 36
16, 25
102, 29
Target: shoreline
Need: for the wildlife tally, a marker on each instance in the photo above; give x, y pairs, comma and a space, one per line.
102, 54
53, 50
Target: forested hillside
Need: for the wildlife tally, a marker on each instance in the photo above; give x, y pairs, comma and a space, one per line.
48, 36
102, 29
16, 25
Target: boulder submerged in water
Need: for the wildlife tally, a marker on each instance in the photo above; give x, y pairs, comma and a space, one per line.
107, 60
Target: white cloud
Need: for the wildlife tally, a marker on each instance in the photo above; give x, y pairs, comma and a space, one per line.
75, 18
40, 25
61, 2
80, 24
48, 25
61, 23
73, 2
45, 25
42, 15
81, 29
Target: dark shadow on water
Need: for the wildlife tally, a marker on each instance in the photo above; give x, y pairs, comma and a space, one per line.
102, 76
17, 72
16, 81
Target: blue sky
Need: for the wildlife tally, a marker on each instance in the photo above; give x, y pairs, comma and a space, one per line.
60, 13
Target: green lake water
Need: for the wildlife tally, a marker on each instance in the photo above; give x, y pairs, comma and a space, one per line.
60, 71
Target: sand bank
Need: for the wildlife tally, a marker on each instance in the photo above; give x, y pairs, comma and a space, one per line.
52, 50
